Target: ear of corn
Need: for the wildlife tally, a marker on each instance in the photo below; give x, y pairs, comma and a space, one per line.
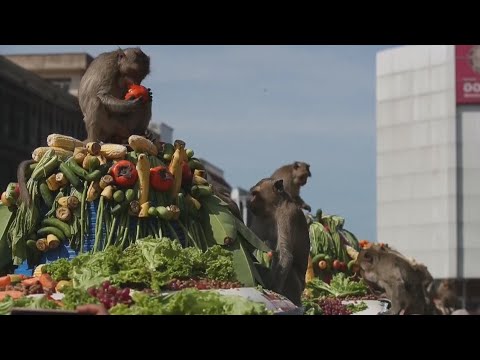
142, 145
143, 169
62, 154
310, 275
113, 151
38, 270
62, 141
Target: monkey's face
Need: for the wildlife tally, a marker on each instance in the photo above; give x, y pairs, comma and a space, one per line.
301, 173
134, 64
264, 196
369, 258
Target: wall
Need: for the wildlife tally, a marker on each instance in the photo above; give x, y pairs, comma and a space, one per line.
416, 154
469, 190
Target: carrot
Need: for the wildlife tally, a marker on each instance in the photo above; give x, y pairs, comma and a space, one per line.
5, 281
47, 282
14, 294
30, 281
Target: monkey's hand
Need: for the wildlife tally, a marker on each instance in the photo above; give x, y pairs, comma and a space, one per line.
114, 105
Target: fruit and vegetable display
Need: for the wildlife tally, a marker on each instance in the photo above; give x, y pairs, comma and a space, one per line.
333, 282
329, 246
137, 280
113, 207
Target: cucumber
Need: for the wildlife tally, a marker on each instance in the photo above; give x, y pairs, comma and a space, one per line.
32, 244
46, 194
74, 180
94, 175
75, 168
318, 258
43, 232
59, 224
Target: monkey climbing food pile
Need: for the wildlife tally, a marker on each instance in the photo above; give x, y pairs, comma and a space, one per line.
136, 192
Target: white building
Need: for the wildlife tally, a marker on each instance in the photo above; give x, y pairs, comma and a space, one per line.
428, 156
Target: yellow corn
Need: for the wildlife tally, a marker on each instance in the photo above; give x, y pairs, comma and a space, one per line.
113, 151
143, 169
142, 145
38, 270
62, 154
62, 141
310, 275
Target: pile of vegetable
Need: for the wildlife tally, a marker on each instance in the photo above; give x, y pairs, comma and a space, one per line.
134, 281
329, 244
184, 302
148, 264
321, 298
147, 191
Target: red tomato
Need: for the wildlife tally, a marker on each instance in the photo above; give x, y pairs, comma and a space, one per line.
161, 179
124, 173
337, 264
136, 91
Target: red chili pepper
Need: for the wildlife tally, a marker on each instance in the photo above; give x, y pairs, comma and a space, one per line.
161, 179
124, 173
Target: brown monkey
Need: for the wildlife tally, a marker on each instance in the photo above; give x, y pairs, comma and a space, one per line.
286, 232
22, 182
108, 117
446, 297
294, 177
405, 283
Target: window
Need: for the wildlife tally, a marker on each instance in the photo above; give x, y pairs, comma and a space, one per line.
63, 84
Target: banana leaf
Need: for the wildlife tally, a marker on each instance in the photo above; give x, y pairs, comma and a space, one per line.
250, 236
217, 221
245, 269
6, 218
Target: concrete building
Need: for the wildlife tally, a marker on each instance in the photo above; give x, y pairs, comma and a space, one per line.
63, 70
31, 109
428, 158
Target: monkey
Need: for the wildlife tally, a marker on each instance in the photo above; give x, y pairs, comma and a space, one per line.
24, 196
286, 232
108, 117
294, 177
445, 297
405, 283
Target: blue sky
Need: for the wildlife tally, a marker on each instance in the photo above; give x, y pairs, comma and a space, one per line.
251, 109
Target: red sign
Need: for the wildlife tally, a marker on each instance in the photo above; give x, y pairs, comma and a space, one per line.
468, 74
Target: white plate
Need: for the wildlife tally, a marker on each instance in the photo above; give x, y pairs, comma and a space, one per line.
375, 307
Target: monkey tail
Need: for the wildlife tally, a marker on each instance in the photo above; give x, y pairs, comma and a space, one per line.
22, 182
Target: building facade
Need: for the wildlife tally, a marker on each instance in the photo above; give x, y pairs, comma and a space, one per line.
428, 163
31, 109
62, 70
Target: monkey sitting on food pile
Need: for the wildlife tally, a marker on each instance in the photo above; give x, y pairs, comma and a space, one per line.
118, 187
